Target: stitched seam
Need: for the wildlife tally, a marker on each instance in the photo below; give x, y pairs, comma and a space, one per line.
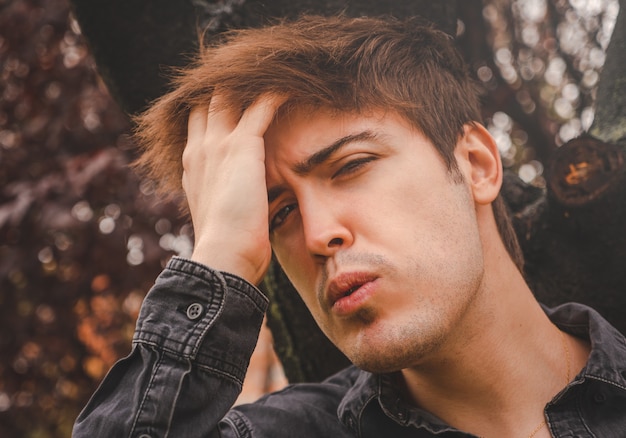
232, 426
241, 286
181, 269
242, 430
212, 282
240, 292
157, 365
209, 283
163, 348
217, 305
358, 425
209, 368
222, 373
581, 417
145, 341
173, 407
602, 379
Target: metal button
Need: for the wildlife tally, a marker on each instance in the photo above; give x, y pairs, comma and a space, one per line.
194, 311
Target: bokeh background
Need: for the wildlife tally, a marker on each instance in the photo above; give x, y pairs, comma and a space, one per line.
82, 238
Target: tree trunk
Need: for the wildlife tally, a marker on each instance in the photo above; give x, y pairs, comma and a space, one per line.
609, 124
575, 239
136, 43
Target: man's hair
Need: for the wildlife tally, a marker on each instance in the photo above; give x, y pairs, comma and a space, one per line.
338, 63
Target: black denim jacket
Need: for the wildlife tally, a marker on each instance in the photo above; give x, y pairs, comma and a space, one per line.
195, 334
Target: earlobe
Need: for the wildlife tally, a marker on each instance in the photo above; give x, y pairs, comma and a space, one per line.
482, 159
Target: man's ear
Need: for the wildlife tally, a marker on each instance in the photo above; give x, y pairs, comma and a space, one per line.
479, 159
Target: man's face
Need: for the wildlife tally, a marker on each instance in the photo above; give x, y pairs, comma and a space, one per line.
380, 240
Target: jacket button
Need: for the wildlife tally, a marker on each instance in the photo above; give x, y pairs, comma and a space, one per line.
599, 397
194, 311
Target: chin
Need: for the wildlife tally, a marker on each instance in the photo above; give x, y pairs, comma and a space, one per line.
376, 364
378, 367
384, 350
381, 359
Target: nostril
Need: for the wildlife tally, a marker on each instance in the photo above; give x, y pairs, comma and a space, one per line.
337, 241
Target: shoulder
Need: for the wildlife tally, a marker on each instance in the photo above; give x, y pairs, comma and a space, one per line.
596, 399
300, 410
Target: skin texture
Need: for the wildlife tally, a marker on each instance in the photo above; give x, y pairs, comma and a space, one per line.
398, 259
228, 205
385, 207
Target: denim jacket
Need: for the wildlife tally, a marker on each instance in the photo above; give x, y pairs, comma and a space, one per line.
194, 337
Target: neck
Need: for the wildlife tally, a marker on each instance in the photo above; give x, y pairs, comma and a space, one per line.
497, 371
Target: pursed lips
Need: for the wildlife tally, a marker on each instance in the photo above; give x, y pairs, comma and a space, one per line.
344, 285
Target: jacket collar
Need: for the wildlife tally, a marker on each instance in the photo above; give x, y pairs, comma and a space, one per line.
607, 359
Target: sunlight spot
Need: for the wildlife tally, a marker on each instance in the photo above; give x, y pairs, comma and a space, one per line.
106, 225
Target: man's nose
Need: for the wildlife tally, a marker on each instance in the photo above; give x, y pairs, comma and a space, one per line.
326, 226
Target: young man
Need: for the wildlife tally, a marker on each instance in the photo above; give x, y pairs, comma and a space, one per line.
351, 149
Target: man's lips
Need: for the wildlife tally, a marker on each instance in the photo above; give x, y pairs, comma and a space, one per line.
346, 291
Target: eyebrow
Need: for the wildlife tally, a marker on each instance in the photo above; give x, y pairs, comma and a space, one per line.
307, 165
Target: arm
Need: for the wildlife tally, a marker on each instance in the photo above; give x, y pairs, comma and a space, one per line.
195, 334
188, 363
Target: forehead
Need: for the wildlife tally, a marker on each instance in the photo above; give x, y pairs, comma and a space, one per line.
301, 131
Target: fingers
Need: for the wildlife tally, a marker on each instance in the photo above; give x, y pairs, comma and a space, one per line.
200, 118
196, 125
224, 181
219, 120
258, 116
196, 130
208, 129
220, 123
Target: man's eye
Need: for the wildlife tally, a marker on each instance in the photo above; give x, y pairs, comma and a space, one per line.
353, 166
280, 217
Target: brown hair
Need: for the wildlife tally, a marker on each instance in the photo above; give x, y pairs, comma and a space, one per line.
338, 63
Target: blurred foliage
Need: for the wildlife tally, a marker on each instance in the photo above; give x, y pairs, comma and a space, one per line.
541, 75
82, 239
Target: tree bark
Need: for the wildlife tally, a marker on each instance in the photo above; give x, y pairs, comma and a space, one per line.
609, 124
577, 246
136, 43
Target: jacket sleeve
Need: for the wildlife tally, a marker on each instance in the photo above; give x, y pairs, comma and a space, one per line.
195, 334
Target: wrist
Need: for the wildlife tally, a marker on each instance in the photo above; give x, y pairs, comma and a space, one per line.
251, 269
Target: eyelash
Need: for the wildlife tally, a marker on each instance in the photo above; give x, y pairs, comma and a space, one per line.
284, 212
351, 166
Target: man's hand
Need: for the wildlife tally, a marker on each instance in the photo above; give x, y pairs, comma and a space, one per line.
224, 180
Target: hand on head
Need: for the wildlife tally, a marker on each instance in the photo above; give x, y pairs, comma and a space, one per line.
224, 181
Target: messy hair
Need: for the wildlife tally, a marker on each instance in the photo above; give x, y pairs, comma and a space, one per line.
337, 63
